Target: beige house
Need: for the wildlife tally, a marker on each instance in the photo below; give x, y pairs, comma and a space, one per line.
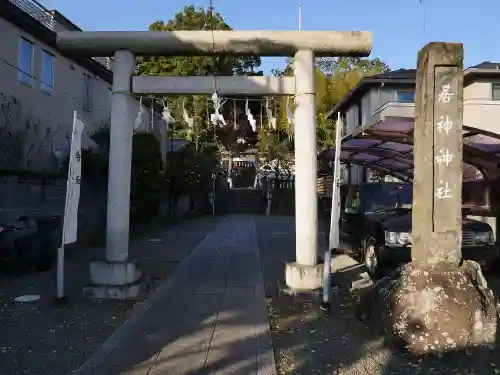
391, 95
40, 88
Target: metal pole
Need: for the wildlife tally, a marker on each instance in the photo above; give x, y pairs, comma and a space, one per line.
268, 196
333, 238
213, 194
300, 17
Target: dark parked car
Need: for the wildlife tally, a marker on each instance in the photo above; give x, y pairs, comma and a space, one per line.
29, 243
377, 220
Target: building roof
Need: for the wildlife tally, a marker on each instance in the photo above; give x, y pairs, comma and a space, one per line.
15, 15
392, 77
486, 65
395, 75
387, 146
405, 77
39, 27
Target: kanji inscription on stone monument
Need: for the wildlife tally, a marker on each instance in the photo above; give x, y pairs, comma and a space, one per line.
437, 186
447, 142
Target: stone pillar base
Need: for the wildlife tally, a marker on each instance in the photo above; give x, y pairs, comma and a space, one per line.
118, 292
303, 277
114, 273
114, 280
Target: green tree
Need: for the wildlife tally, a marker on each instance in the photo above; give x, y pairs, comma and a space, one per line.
345, 72
335, 77
192, 18
196, 19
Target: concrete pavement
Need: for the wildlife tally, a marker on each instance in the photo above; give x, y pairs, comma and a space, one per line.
209, 317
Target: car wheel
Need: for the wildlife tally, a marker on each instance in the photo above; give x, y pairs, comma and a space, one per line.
371, 260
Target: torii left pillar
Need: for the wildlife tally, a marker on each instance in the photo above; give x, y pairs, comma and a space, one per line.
117, 277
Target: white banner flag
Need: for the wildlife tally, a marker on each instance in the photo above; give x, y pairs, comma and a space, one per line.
70, 226
334, 240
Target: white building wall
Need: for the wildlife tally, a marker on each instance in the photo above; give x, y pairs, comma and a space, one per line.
44, 120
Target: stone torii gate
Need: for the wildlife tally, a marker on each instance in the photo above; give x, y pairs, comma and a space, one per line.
117, 276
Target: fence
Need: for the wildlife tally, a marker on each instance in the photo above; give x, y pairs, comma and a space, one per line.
35, 199
281, 194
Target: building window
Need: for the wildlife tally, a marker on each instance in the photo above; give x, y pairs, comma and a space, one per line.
352, 203
344, 126
47, 71
88, 92
26, 54
360, 114
406, 96
495, 91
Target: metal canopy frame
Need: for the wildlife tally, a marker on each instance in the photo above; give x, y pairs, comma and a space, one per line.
387, 146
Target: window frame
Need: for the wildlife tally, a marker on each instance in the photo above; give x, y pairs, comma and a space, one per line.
26, 78
359, 111
88, 92
398, 92
353, 201
47, 87
495, 86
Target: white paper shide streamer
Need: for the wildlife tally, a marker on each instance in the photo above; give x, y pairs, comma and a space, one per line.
289, 115
167, 117
251, 119
187, 119
140, 113
269, 114
70, 223
217, 117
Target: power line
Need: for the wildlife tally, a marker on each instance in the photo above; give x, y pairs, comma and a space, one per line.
59, 91
212, 27
158, 97
424, 20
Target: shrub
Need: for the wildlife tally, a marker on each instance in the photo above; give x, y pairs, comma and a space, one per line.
147, 184
146, 179
189, 171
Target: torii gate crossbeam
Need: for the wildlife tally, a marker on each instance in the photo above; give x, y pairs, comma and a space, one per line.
218, 43
117, 270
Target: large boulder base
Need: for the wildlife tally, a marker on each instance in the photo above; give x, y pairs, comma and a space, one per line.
433, 310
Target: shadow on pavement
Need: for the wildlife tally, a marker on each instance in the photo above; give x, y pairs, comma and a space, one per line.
209, 317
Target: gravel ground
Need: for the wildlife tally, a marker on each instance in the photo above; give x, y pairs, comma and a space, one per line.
307, 341
43, 339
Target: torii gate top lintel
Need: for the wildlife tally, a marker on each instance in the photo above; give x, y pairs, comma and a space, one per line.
206, 43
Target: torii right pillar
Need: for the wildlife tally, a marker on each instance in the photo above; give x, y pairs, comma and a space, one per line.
305, 273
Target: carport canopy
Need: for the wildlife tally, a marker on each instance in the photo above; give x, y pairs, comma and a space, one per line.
387, 147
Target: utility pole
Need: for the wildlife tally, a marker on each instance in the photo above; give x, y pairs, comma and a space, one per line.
300, 17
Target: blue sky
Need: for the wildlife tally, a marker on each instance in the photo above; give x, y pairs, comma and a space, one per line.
400, 27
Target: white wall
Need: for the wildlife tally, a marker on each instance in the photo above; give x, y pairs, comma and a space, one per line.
370, 103
45, 120
480, 110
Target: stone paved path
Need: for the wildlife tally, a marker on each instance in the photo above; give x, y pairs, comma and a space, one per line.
210, 317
